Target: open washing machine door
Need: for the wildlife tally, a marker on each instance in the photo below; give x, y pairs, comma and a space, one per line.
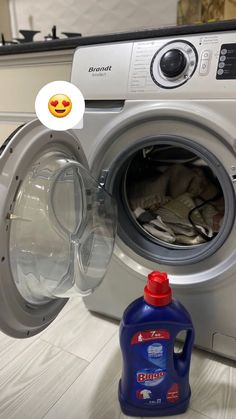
57, 227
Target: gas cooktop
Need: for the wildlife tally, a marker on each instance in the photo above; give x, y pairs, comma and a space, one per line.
28, 36
71, 40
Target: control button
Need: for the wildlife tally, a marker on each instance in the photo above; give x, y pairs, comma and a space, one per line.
223, 51
205, 55
204, 65
220, 72
221, 65
173, 63
223, 58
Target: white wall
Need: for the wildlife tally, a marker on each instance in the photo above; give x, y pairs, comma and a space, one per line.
91, 16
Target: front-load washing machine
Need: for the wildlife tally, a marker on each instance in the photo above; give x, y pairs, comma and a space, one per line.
158, 139
159, 132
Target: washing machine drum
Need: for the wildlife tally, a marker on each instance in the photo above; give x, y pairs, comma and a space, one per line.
57, 227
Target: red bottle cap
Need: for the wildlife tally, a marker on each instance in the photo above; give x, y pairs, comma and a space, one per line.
157, 292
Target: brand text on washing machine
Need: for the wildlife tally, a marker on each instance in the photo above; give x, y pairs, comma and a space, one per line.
92, 69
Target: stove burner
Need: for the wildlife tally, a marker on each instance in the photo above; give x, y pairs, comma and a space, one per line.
4, 42
52, 35
71, 34
28, 36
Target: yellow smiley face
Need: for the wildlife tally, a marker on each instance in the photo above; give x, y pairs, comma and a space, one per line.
59, 105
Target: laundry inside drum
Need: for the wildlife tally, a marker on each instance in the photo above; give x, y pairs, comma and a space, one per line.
173, 196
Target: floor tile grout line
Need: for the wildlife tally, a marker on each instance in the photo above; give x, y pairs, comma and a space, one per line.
80, 357
89, 362
204, 414
60, 350
36, 339
101, 349
54, 403
229, 392
57, 319
66, 351
18, 355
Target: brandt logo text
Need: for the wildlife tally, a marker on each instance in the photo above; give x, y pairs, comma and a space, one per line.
93, 69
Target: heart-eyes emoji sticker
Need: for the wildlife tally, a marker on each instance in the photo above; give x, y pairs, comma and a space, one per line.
59, 105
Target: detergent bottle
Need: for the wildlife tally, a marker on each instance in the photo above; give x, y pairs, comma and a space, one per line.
155, 379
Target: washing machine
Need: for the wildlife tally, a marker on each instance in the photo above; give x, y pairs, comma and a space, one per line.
156, 110
156, 156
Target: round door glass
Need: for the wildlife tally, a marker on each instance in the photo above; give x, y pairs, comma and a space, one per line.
62, 230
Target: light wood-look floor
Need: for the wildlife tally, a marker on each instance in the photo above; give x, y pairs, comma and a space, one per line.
71, 371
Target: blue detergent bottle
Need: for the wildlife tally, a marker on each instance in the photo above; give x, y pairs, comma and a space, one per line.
155, 379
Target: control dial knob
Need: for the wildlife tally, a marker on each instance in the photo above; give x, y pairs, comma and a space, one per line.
173, 63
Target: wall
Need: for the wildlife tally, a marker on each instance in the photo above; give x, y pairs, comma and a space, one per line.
91, 16
5, 26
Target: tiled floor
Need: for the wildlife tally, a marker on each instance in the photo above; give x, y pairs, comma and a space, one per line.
71, 371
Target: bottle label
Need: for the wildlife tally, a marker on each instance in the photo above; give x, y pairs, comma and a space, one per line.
148, 335
149, 350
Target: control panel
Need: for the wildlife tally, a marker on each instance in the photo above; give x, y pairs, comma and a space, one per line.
197, 66
226, 69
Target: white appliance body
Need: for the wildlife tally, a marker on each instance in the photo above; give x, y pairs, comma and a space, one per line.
132, 105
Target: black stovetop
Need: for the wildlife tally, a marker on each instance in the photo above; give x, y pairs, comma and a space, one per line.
75, 41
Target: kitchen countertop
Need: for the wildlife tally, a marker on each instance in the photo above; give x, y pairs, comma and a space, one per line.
72, 43
71, 371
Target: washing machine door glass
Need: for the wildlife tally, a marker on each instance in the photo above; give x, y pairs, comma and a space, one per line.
61, 233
